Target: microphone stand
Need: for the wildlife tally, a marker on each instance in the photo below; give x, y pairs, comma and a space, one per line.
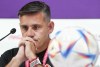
12, 31
5, 36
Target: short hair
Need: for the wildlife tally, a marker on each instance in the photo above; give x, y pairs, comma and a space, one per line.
35, 7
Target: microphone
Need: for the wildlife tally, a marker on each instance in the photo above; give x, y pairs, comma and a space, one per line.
12, 31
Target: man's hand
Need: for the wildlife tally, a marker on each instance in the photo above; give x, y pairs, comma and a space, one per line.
29, 48
27, 51
21, 54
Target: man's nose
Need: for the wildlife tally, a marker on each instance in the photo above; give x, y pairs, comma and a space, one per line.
30, 32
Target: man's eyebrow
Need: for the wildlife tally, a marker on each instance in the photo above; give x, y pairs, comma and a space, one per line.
23, 25
35, 25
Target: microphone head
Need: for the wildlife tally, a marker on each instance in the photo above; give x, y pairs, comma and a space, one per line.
13, 30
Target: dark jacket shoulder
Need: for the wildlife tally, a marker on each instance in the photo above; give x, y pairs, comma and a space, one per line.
7, 56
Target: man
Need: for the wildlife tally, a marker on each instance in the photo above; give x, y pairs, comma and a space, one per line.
35, 25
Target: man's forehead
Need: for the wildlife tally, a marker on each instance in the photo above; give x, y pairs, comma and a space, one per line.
36, 17
32, 24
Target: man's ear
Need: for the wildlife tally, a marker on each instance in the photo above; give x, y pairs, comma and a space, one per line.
51, 26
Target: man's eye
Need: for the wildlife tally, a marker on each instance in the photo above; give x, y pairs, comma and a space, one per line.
24, 28
36, 27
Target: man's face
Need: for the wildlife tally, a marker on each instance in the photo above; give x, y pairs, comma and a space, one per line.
36, 27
